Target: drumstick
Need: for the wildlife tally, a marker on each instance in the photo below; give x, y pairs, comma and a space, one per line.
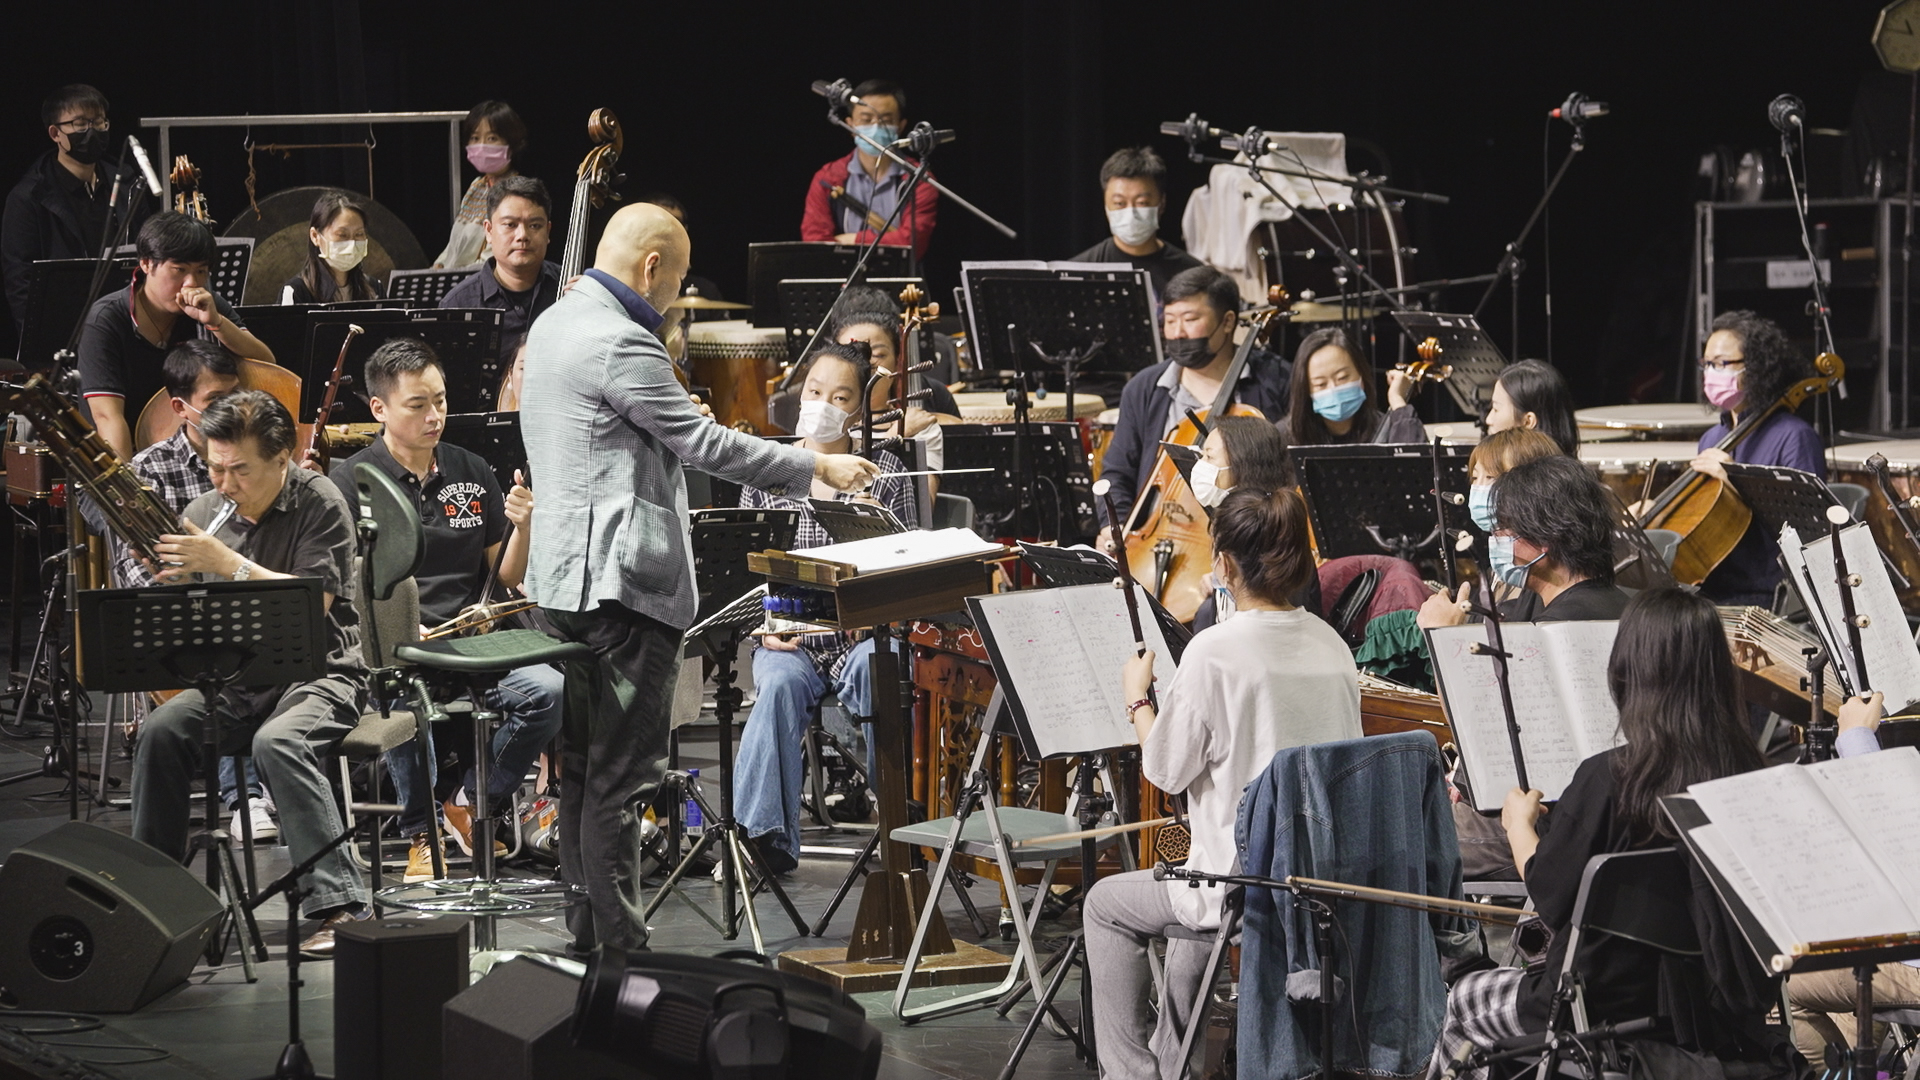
1092, 834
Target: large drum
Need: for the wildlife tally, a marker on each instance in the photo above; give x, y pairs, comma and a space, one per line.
732, 361
1456, 433
1098, 436
1903, 468
1641, 470
1663, 422
990, 407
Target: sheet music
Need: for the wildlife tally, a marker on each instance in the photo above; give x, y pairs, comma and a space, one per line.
1715, 847
1819, 601
1061, 651
1892, 660
1583, 650
1806, 861
905, 549
1470, 693
1879, 796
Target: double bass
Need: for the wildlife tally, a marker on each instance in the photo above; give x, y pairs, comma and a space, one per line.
1167, 545
157, 420
1708, 513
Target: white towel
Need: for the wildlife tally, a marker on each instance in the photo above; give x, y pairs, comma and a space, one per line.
1222, 220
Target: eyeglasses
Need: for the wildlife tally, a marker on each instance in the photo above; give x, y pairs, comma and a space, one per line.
84, 123
1723, 365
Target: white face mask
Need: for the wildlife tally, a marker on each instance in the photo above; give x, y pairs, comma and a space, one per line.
343, 255
821, 420
1134, 224
1206, 483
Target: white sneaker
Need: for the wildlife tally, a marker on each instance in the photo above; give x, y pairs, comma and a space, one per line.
260, 817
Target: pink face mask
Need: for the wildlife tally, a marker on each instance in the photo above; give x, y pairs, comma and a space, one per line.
1723, 387
488, 157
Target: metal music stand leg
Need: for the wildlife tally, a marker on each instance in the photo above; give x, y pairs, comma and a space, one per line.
854, 873
223, 873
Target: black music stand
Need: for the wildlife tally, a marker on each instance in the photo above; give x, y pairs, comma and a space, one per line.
468, 342
426, 287
208, 637
770, 263
1475, 360
846, 522
1060, 504
1780, 496
283, 328
1378, 500
493, 436
57, 299
1076, 320
805, 303
324, 329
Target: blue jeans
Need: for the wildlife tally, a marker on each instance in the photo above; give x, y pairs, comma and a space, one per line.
230, 783
768, 769
528, 700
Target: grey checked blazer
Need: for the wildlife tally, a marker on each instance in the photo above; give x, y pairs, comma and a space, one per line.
607, 428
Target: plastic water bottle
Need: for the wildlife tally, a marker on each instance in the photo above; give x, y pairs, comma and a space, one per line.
691, 811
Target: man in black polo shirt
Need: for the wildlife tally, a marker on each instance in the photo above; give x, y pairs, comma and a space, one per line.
264, 519
466, 523
124, 347
1132, 188
517, 278
58, 210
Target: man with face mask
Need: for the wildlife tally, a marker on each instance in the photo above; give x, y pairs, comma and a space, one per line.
1132, 188
58, 210
1197, 328
851, 196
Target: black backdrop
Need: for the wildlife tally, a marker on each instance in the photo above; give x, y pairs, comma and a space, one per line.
715, 101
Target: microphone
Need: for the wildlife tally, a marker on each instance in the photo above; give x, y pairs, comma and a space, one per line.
1787, 110
1193, 129
1253, 142
140, 155
1577, 109
923, 138
838, 93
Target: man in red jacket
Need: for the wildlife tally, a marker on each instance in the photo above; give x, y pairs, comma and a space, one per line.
869, 179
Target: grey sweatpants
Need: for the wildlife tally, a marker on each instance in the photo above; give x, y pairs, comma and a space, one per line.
1124, 914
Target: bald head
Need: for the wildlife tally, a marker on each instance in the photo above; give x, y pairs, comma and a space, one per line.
647, 249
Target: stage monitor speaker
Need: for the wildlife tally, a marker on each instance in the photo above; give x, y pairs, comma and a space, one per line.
390, 979
515, 1024
93, 921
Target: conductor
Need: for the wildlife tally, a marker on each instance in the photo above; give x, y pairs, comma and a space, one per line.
608, 430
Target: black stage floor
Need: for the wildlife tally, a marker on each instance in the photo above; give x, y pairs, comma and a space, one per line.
219, 1026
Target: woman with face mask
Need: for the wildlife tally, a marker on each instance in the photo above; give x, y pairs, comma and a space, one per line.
1242, 451
1494, 457
495, 135
337, 245
1746, 365
1332, 397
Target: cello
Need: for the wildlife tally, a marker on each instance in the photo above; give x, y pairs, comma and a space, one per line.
157, 420
1708, 513
1167, 545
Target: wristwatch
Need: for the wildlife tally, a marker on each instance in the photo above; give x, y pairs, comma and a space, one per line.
243, 571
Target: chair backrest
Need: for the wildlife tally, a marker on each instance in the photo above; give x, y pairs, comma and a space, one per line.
1664, 541
1851, 496
393, 621
952, 511
1640, 896
398, 545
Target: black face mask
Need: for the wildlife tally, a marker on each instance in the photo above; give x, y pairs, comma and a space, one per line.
1188, 352
87, 147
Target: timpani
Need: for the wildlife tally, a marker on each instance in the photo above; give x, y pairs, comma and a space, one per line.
1098, 436
1457, 433
1903, 470
1657, 422
1638, 470
990, 407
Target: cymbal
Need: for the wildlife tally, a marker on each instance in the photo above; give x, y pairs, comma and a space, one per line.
701, 303
1313, 311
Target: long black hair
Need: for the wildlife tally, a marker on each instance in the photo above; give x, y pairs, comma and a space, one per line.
316, 275
1773, 363
1671, 676
1306, 427
1538, 388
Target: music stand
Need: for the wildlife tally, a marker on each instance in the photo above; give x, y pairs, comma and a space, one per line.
1058, 567
495, 437
1475, 359
1378, 500
282, 328
1062, 494
770, 263
1780, 496
805, 303
324, 329
721, 540
232, 258
467, 341
425, 287
56, 300
208, 637
1081, 319
846, 522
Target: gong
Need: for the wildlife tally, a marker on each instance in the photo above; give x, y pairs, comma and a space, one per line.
279, 230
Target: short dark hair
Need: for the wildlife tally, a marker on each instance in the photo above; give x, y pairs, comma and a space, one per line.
396, 357
1134, 163
1557, 504
250, 414
505, 122
1306, 427
857, 353
1538, 388
1773, 363
526, 187
1265, 534
71, 96
884, 88
1222, 294
181, 371
170, 236
1257, 452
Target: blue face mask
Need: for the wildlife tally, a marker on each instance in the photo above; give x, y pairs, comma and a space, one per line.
1340, 402
1500, 554
870, 137
1480, 506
